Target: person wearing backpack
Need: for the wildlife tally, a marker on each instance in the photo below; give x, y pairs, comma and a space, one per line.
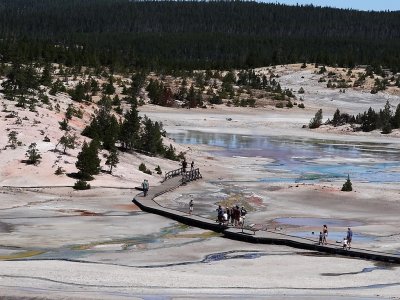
145, 187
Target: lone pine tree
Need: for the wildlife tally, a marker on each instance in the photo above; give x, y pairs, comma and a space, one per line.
347, 186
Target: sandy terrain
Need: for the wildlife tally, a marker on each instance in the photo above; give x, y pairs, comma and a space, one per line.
57, 243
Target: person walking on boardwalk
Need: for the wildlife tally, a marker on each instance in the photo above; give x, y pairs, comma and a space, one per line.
228, 214
232, 210
190, 206
325, 237
242, 218
184, 165
349, 237
321, 238
243, 212
145, 187
236, 215
220, 214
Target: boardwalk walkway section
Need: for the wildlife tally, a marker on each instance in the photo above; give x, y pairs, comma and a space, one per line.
148, 204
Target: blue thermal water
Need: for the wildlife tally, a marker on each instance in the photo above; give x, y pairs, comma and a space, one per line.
305, 160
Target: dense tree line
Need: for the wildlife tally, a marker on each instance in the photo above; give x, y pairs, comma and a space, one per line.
385, 120
191, 34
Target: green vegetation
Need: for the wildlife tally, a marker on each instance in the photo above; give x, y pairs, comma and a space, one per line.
81, 185
33, 155
158, 170
112, 159
59, 171
67, 141
88, 162
143, 168
317, 120
123, 34
12, 139
385, 119
347, 186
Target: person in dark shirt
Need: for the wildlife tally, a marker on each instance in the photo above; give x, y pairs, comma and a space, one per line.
321, 238
190, 206
349, 237
325, 237
184, 165
220, 214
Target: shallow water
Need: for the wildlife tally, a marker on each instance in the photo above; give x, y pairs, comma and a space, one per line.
305, 160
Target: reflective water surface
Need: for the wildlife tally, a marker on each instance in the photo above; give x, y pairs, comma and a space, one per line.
305, 160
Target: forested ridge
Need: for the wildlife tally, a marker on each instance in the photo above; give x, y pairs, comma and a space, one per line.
192, 34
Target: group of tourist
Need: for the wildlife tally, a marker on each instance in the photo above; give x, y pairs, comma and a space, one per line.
323, 236
234, 216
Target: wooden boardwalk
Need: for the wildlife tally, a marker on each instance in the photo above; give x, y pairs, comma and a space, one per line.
148, 204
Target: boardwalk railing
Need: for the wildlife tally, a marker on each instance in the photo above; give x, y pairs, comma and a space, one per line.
248, 233
173, 173
187, 176
191, 175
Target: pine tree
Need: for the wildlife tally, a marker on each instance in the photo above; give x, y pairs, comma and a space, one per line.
151, 138
12, 139
138, 80
78, 94
45, 79
109, 88
64, 124
20, 81
369, 120
94, 87
104, 126
347, 186
129, 133
317, 120
336, 118
112, 159
396, 118
33, 155
67, 141
88, 162
386, 118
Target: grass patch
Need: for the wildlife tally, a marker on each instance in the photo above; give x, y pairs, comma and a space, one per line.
233, 200
20, 255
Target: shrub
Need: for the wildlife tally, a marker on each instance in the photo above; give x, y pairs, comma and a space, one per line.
216, 100
347, 186
251, 102
143, 168
279, 105
81, 185
59, 171
386, 128
158, 170
317, 120
33, 155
